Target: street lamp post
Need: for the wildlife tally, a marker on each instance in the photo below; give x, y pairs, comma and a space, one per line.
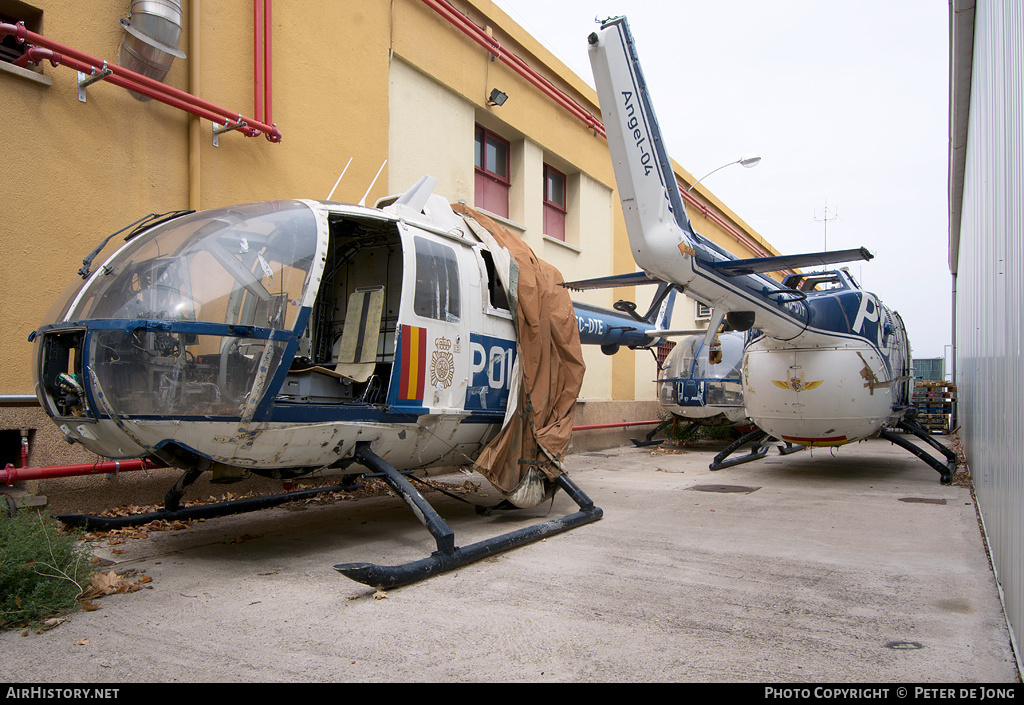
747, 161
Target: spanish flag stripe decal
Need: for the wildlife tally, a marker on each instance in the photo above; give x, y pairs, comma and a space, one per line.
414, 358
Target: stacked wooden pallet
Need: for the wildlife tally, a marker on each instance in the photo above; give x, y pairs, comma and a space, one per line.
935, 401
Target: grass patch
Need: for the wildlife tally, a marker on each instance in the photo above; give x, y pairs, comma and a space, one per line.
44, 568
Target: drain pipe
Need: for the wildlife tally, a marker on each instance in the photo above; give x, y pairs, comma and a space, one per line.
194, 136
268, 83
259, 33
262, 60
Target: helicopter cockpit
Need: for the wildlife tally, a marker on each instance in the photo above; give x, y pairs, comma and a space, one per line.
191, 320
690, 380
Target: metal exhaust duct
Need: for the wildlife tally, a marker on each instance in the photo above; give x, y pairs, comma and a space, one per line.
150, 43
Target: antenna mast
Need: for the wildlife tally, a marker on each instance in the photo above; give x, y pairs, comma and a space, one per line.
826, 220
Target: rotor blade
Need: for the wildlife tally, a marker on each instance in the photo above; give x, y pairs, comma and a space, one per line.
635, 279
775, 264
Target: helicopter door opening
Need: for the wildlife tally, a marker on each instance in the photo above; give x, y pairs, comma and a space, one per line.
346, 353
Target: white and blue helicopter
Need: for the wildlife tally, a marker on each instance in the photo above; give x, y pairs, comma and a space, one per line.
699, 380
824, 363
313, 338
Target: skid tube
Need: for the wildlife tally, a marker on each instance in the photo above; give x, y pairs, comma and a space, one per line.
91, 522
762, 443
448, 556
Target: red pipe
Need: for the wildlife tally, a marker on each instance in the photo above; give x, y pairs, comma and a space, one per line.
267, 63
614, 425
126, 78
443, 8
724, 224
257, 59
10, 474
37, 54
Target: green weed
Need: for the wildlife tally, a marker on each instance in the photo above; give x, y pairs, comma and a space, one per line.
43, 568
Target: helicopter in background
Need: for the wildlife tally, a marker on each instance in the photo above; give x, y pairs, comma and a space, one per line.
825, 363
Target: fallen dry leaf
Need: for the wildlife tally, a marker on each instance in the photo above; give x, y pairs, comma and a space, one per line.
380, 595
242, 539
82, 642
110, 583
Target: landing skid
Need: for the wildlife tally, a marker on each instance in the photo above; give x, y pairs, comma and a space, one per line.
448, 556
945, 470
760, 442
91, 522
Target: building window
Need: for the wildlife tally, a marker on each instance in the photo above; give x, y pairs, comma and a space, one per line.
492, 172
554, 203
13, 12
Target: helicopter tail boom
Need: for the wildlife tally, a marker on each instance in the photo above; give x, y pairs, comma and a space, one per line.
661, 238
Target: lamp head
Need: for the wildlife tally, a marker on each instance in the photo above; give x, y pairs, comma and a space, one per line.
496, 98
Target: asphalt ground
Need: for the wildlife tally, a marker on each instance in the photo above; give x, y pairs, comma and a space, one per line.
853, 566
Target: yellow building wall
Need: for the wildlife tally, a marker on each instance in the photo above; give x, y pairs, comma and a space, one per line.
82, 171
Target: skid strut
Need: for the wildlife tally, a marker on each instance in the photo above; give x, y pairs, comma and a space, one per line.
761, 441
945, 470
448, 556
665, 425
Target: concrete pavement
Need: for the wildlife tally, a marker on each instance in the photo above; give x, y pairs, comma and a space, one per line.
852, 566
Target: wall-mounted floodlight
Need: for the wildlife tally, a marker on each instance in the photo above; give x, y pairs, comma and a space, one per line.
750, 160
497, 98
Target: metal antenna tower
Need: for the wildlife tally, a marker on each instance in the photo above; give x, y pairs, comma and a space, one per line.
825, 219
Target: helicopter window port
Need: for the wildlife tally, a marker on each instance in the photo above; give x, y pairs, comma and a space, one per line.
144, 372
825, 281
496, 294
437, 281
61, 373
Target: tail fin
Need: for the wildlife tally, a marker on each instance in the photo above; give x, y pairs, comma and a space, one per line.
651, 202
662, 241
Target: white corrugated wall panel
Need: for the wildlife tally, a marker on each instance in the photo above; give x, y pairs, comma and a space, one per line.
990, 284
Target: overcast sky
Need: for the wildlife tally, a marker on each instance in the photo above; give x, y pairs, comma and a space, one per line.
846, 102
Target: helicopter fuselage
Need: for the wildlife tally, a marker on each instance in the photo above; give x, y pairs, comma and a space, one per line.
275, 336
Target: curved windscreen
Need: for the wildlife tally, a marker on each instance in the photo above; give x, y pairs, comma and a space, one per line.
244, 265
181, 321
690, 378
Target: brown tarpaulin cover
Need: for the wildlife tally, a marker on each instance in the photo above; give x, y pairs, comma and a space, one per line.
550, 359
